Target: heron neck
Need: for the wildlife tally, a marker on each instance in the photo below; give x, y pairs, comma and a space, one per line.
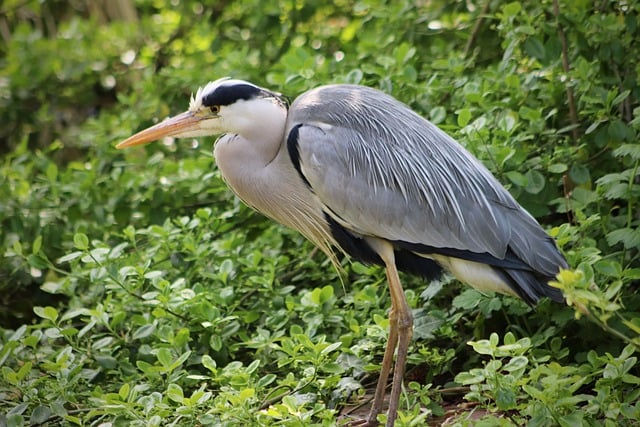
270, 186
247, 168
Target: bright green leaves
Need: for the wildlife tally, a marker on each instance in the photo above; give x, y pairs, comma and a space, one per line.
548, 393
464, 116
179, 305
48, 313
509, 348
631, 150
318, 296
167, 363
499, 380
546, 53
81, 241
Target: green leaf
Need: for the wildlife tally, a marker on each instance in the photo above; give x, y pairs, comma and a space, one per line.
507, 122
483, 346
226, 268
81, 241
475, 376
468, 299
509, 338
517, 178
58, 409
24, 371
464, 117
331, 347
326, 293
38, 261
617, 191
354, 76
40, 415
209, 363
17, 247
630, 238
610, 268
175, 393
512, 81
164, 357
48, 313
19, 333
535, 182
579, 174
215, 342
529, 113
618, 130
69, 257
494, 339
68, 332
350, 31
516, 363
632, 150
106, 361
180, 360
557, 168
37, 244
573, 419
505, 399
534, 47
124, 391
621, 97
144, 331
593, 126
511, 9
438, 114
265, 380
52, 172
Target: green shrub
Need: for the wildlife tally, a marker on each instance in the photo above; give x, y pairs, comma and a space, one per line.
136, 290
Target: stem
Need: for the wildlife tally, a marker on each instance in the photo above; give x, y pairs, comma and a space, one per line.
573, 114
632, 179
268, 402
476, 28
630, 205
133, 294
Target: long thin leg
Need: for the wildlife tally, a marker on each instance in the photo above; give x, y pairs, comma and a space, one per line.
378, 398
400, 332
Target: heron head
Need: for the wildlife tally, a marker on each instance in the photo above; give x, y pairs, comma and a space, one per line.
222, 106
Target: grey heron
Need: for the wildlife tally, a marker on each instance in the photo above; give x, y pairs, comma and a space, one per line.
358, 172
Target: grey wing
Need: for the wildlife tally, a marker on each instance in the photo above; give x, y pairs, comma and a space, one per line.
381, 170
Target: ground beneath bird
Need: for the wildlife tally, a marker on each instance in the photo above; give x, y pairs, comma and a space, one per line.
455, 410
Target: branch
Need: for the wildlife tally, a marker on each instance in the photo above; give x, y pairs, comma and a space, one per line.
573, 114
476, 28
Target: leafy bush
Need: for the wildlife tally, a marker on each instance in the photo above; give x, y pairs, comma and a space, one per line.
137, 290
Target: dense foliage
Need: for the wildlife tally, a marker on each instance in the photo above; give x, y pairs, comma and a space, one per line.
137, 290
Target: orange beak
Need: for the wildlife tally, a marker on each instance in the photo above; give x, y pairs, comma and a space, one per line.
184, 123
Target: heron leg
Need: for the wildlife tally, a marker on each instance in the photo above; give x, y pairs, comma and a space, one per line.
387, 360
400, 333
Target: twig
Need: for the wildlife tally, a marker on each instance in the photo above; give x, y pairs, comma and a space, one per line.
268, 402
573, 114
476, 28
454, 390
625, 106
286, 43
161, 59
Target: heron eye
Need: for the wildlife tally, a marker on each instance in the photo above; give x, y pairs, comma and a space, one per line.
215, 109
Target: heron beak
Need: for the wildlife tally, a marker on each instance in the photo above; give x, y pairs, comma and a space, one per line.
174, 126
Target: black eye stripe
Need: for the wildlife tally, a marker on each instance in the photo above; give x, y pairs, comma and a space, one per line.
227, 95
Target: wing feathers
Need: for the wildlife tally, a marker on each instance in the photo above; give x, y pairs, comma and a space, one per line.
381, 170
